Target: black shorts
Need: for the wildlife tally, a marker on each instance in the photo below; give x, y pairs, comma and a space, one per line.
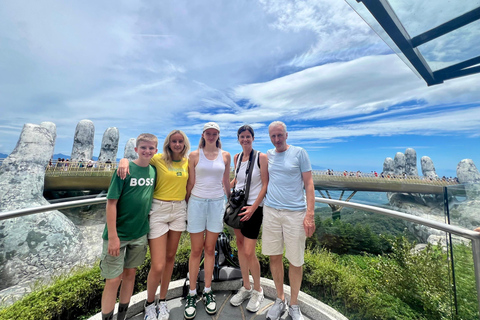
251, 227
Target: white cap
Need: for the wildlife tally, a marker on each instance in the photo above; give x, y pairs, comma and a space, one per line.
211, 125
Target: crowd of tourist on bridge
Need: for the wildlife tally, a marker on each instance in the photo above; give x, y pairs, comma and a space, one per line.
375, 174
63, 164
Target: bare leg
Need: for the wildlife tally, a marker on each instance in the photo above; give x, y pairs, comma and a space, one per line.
128, 282
109, 296
209, 250
172, 245
252, 260
242, 259
295, 277
157, 252
276, 266
196, 242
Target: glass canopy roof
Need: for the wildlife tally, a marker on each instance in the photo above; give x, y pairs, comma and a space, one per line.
438, 39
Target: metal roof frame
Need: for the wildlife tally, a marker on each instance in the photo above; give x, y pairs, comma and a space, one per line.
391, 24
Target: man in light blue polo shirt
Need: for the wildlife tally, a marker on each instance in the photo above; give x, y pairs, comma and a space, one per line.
288, 217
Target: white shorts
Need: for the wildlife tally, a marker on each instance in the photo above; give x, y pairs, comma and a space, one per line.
167, 215
284, 227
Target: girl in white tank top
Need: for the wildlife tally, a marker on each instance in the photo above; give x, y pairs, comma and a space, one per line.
208, 182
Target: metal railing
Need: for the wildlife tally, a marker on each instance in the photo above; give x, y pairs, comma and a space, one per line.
459, 231
57, 206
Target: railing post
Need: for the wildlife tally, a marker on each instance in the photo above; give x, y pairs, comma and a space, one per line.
476, 264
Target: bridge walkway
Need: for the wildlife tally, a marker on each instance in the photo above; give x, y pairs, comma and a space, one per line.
76, 177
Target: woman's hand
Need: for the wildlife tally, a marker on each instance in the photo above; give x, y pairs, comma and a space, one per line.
123, 169
246, 213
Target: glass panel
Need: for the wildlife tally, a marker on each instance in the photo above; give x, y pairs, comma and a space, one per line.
409, 264
420, 16
454, 47
462, 208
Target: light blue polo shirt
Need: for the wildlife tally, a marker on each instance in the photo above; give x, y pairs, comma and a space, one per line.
285, 184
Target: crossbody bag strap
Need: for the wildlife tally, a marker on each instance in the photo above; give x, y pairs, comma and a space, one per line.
253, 155
237, 166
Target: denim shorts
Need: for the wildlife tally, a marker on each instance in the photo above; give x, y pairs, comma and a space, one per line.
205, 214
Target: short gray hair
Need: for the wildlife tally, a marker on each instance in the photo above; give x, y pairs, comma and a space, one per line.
277, 123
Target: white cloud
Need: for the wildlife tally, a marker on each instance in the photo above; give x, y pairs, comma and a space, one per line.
429, 123
340, 34
345, 89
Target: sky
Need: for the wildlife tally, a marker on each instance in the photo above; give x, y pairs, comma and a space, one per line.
155, 66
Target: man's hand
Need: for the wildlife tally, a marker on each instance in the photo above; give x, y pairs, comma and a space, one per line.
114, 246
309, 224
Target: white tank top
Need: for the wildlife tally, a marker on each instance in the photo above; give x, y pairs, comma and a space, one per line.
255, 183
209, 176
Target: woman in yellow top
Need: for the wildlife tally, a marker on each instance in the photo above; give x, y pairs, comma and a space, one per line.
168, 218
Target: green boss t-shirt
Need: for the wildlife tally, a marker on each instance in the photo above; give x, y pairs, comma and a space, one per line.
134, 196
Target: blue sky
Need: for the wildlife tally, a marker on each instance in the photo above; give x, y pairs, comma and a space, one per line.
155, 66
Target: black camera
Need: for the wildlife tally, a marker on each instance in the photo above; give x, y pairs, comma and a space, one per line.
236, 198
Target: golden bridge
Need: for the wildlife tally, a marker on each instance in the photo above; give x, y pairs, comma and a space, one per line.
71, 176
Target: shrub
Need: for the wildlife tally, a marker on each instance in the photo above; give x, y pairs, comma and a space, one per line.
67, 298
420, 279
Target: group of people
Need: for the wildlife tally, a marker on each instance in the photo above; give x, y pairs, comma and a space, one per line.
60, 163
63, 164
156, 197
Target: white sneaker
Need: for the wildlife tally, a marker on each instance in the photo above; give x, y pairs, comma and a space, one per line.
295, 313
242, 295
163, 312
151, 312
277, 310
255, 300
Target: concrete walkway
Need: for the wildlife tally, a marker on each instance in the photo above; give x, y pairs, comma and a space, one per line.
312, 309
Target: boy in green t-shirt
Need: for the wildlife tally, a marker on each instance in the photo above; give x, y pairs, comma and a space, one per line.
126, 228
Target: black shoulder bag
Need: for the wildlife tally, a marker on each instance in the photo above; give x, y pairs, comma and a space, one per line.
238, 198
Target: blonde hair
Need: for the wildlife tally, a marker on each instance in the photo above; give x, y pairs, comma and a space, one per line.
167, 154
146, 137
